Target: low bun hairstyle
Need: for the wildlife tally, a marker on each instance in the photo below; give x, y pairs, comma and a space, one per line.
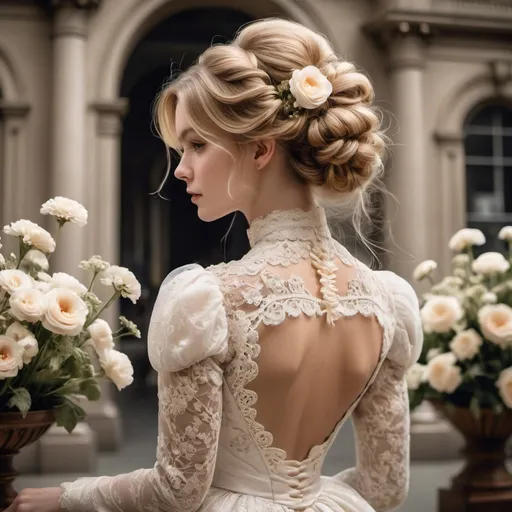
232, 91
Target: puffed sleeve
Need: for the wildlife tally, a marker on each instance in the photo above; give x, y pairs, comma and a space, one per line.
187, 342
381, 419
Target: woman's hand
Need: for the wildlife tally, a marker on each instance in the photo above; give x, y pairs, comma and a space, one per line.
37, 500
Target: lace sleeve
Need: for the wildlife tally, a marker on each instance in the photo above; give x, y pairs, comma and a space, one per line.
190, 410
381, 424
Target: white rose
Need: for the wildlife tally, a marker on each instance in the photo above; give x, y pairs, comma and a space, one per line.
35, 258
17, 332
25, 339
27, 305
11, 357
490, 263
123, 281
32, 235
496, 323
310, 87
442, 373
466, 344
63, 280
433, 352
414, 376
118, 368
466, 238
15, 280
504, 384
65, 210
424, 269
65, 313
441, 313
506, 234
101, 335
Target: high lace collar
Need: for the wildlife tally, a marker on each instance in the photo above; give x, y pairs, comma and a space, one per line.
290, 225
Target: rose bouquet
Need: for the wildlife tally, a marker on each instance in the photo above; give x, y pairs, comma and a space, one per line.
54, 347
467, 323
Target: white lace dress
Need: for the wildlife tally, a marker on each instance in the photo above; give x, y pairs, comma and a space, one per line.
212, 454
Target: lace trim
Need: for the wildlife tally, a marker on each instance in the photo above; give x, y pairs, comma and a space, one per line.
326, 269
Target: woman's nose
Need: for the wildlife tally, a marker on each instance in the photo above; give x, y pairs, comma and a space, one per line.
183, 171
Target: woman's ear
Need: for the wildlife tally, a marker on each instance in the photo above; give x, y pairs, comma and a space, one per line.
265, 150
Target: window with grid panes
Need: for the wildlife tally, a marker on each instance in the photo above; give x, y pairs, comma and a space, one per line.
488, 150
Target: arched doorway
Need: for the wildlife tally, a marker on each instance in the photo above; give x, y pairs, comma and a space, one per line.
159, 235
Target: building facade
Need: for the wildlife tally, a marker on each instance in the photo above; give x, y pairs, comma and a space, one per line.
78, 79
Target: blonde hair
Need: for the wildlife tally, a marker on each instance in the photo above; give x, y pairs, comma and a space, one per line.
231, 93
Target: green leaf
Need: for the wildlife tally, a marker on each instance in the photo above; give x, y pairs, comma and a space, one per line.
68, 415
21, 400
91, 389
474, 406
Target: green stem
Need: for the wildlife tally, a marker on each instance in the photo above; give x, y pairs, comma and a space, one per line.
107, 305
92, 282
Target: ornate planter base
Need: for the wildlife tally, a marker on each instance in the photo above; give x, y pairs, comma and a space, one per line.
15, 433
484, 484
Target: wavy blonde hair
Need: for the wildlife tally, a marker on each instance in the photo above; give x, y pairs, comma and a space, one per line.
231, 92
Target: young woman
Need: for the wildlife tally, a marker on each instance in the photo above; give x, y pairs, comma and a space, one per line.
261, 361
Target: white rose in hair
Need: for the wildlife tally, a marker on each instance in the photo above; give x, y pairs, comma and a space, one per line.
466, 238
466, 344
441, 313
504, 384
11, 357
310, 87
442, 373
65, 210
118, 368
27, 305
15, 280
123, 281
65, 313
63, 280
490, 263
506, 234
424, 269
32, 235
101, 336
496, 323
414, 376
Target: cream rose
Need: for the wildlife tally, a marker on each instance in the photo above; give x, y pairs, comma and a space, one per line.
414, 376
65, 210
442, 373
11, 357
65, 313
424, 269
63, 280
490, 263
15, 280
27, 305
466, 344
504, 385
496, 323
101, 336
466, 238
441, 313
32, 235
117, 367
25, 339
310, 87
506, 234
123, 281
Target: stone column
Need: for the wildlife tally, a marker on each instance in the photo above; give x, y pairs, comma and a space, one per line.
407, 179
70, 18
14, 170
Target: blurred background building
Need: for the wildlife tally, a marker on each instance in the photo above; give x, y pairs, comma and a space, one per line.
78, 80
